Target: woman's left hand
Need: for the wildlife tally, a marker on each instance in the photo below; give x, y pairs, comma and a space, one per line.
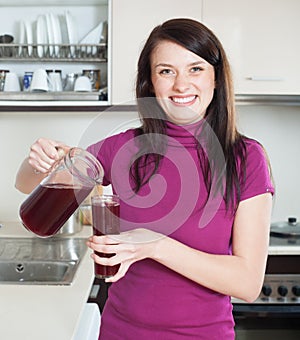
129, 247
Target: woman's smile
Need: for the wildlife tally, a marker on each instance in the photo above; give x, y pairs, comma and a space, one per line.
183, 100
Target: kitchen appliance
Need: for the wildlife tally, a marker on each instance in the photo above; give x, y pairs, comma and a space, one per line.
276, 312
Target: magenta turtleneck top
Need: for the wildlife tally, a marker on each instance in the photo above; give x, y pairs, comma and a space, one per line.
151, 301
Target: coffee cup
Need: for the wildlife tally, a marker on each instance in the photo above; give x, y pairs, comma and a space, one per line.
39, 82
12, 82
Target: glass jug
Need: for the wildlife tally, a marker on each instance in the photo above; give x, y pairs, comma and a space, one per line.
70, 180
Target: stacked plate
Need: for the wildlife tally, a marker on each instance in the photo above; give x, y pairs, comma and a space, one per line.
41, 35
48, 33
71, 32
92, 38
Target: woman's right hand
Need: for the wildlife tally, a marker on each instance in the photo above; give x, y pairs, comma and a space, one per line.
44, 152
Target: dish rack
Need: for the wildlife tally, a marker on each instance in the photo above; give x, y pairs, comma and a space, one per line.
54, 52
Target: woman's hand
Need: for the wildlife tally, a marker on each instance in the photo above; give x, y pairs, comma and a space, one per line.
129, 247
44, 152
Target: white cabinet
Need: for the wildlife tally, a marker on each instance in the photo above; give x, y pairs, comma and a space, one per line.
261, 38
132, 21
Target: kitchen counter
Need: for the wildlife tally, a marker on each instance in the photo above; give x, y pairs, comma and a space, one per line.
35, 312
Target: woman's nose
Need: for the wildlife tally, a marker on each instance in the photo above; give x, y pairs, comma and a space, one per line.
181, 83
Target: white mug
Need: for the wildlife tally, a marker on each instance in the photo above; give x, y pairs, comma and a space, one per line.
55, 82
39, 81
12, 82
83, 84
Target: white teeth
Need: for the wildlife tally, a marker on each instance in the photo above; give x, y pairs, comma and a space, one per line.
183, 100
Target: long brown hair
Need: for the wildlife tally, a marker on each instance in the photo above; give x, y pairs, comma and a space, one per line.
220, 114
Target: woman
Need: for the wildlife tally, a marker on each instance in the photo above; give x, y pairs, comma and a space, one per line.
196, 196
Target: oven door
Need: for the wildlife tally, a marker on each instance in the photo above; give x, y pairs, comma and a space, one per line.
267, 321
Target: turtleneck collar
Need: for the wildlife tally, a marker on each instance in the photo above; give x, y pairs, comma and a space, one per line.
184, 134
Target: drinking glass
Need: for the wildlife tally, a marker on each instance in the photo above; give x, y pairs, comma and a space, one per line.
106, 221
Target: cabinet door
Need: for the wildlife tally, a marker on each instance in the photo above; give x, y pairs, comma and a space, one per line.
132, 21
262, 41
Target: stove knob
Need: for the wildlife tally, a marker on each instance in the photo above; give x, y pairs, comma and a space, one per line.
296, 290
282, 290
266, 290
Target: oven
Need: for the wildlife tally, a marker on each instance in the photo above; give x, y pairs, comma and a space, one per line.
276, 312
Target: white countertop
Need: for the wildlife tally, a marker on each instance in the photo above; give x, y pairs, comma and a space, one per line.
35, 312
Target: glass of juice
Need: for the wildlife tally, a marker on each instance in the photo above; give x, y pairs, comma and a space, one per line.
106, 221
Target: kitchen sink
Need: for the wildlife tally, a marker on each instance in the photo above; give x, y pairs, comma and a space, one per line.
52, 261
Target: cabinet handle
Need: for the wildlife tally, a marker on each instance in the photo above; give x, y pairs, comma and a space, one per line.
257, 78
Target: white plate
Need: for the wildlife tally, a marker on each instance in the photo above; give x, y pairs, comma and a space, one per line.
56, 32
41, 35
50, 34
72, 31
22, 36
64, 29
29, 37
93, 37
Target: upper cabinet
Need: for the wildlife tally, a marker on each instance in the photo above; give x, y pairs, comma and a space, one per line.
129, 23
69, 38
132, 22
261, 39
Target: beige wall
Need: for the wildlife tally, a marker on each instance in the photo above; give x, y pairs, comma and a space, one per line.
276, 127
19, 131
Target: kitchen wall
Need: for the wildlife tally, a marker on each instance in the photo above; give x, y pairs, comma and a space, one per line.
275, 126
19, 131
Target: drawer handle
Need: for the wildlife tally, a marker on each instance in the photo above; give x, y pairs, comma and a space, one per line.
257, 78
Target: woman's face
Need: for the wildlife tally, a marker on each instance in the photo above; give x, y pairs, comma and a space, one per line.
182, 81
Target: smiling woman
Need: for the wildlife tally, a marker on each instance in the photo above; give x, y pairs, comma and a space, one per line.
195, 196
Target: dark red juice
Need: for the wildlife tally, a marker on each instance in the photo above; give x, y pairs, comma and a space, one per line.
46, 210
106, 221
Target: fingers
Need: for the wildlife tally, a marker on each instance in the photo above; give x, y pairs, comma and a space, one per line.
44, 152
107, 244
111, 261
104, 239
120, 273
128, 247
124, 254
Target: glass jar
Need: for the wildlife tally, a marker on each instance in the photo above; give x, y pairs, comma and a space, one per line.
2, 79
95, 78
70, 82
70, 180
